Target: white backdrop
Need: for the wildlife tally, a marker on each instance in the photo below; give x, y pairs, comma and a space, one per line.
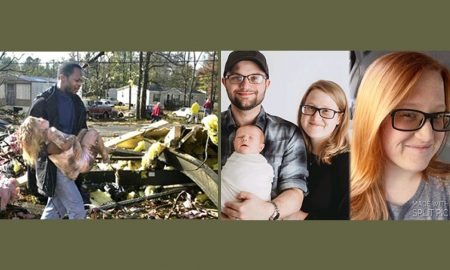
291, 73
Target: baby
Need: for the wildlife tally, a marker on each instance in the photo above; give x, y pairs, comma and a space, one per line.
71, 154
246, 169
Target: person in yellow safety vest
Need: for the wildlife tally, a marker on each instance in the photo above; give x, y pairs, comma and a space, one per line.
194, 112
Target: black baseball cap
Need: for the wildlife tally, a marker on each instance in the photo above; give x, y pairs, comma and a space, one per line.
254, 56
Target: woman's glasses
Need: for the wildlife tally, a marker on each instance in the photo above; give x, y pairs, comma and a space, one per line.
323, 112
411, 120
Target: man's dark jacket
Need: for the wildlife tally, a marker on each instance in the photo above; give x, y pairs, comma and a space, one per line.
42, 180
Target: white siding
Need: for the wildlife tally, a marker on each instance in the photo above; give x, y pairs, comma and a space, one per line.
112, 94
123, 95
2, 91
23, 91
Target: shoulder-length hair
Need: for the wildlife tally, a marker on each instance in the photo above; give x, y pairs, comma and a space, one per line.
338, 141
387, 82
31, 139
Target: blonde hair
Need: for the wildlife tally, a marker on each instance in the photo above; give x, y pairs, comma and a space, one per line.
338, 141
31, 140
387, 82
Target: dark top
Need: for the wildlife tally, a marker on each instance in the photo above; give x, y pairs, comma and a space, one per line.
328, 186
66, 111
284, 149
42, 179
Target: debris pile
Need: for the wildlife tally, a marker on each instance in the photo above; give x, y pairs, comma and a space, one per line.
165, 203
11, 166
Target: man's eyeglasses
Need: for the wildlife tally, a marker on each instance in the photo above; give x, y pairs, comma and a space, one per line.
323, 112
412, 120
252, 78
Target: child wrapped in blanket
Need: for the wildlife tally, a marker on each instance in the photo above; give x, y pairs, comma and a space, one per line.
246, 169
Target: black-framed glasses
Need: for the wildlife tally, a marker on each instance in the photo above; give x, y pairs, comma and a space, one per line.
252, 78
412, 120
323, 112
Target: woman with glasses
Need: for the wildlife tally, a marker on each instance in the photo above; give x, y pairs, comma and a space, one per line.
323, 119
401, 124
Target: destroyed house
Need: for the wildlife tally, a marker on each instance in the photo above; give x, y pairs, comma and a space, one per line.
21, 90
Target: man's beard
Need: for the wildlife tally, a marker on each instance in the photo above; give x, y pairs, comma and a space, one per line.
66, 89
248, 105
70, 90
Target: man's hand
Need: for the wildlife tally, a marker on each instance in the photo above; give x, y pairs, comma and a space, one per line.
248, 207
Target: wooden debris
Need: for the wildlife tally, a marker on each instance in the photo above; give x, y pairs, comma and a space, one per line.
134, 134
172, 138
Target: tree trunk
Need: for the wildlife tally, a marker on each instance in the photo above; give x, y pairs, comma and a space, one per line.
141, 69
129, 92
186, 65
145, 85
124, 68
213, 79
193, 77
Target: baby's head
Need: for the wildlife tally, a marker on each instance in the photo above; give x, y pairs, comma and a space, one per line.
32, 133
249, 140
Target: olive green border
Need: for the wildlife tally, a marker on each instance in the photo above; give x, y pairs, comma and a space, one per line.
233, 24
210, 25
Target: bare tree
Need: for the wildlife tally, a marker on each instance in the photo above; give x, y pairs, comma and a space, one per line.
6, 64
130, 80
193, 78
213, 79
93, 59
139, 91
150, 62
145, 84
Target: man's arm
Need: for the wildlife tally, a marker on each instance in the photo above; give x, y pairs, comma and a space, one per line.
299, 215
293, 172
289, 201
250, 207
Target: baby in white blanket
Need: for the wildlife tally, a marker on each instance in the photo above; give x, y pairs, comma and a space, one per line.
246, 169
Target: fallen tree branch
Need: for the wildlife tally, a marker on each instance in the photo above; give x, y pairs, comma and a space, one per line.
150, 197
174, 204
